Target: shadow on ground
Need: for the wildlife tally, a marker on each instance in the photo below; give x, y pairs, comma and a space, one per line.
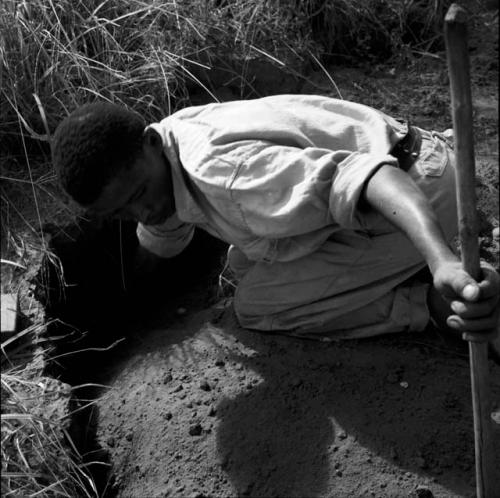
200, 407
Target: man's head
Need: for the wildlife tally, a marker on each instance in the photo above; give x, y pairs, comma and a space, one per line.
109, 164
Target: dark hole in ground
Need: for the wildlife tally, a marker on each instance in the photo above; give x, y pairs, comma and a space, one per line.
95, 301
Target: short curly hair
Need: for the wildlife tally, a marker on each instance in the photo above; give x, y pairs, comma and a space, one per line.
93, 144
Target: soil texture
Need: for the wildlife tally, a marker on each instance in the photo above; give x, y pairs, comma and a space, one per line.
199, 407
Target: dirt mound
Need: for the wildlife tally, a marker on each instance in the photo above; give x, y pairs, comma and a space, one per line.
202, 408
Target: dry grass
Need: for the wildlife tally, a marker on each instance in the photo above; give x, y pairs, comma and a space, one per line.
151, 54
370, 30
143, 54
38, 456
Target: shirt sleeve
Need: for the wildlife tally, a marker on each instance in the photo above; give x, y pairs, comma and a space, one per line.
284, 191
167, 239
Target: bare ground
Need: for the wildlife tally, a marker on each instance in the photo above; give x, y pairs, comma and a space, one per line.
200, 407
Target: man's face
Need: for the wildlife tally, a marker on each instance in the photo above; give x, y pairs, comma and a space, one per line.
142, 193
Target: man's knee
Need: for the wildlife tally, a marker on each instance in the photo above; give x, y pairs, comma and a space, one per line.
238, 263
249, 310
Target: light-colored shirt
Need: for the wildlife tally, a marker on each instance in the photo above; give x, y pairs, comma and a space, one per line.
275, 176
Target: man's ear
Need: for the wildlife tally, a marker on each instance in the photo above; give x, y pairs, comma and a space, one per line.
152, 139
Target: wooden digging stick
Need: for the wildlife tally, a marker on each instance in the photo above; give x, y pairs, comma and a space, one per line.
461, 103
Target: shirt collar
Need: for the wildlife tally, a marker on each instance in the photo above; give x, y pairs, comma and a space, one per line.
185, 191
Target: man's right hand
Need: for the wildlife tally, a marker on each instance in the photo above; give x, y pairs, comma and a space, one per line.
474, 305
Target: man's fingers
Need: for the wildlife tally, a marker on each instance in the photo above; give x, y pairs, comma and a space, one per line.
470, 291
485, 324
457, 283
465, 286
490, 285
475, 309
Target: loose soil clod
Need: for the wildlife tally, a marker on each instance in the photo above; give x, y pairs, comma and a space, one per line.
195, 430
421, 492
